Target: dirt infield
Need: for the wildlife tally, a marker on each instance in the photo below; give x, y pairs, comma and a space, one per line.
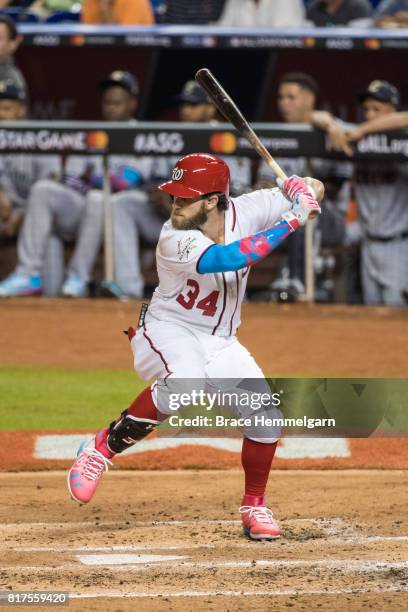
172, 541
17, 452
157, 540
286, 340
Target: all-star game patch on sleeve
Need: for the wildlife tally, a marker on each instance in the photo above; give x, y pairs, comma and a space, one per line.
180, 250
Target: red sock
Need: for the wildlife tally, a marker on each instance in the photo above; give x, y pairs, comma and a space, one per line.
143, 406
256, 459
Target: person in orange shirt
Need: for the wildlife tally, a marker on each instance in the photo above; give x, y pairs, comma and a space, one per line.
118, 12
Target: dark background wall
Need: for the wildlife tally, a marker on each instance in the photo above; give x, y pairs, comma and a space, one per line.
63, 81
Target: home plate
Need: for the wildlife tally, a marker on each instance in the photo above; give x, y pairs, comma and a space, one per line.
125, 559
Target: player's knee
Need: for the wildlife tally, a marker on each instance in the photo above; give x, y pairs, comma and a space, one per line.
95, 197
94, 203
41, 191
127, 431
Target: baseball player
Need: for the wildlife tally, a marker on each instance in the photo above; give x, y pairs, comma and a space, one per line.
204, 253
381, 195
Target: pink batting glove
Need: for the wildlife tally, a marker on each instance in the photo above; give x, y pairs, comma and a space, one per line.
294, 185
302, 196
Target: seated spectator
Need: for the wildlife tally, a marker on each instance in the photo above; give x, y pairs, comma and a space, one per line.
73, 208
117, 12
262, 13
15, 4
193, 12
391, 14
44, 8
9, 42
19, 171
325, 13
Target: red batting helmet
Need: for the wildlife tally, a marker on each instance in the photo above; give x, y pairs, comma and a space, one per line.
198, 174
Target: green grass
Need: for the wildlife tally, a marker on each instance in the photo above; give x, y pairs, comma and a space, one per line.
48, 398
54, 398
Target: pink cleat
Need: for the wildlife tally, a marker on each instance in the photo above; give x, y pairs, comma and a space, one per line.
259, 524
92, 461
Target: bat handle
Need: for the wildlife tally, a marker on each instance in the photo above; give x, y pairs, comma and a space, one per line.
277, 170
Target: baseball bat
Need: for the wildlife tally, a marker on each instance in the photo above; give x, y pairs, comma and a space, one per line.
229, 109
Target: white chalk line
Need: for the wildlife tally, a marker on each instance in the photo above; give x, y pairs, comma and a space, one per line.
352, 540
129, 559
347, 565
121, 524
94, 523
357, 539
110, 548
287, 592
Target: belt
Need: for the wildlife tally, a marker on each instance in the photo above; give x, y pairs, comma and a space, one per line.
401, 236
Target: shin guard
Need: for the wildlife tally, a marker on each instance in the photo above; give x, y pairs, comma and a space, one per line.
127, 431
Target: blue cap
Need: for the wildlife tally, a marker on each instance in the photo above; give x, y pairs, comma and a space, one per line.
121, 78
10, 90
382, 91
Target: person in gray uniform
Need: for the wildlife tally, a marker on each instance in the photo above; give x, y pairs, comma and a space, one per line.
381, 190
9, 42
297, 97
72, 208
19, 171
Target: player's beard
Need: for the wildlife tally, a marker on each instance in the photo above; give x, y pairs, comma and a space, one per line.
181, 223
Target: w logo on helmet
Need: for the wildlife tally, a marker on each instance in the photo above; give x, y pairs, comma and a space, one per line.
177, 174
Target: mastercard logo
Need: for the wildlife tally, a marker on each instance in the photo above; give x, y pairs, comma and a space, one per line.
309, 41
223, 142
97, 140
77, 41
372, 43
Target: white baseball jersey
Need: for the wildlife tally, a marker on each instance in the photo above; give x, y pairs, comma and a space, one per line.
211, 302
